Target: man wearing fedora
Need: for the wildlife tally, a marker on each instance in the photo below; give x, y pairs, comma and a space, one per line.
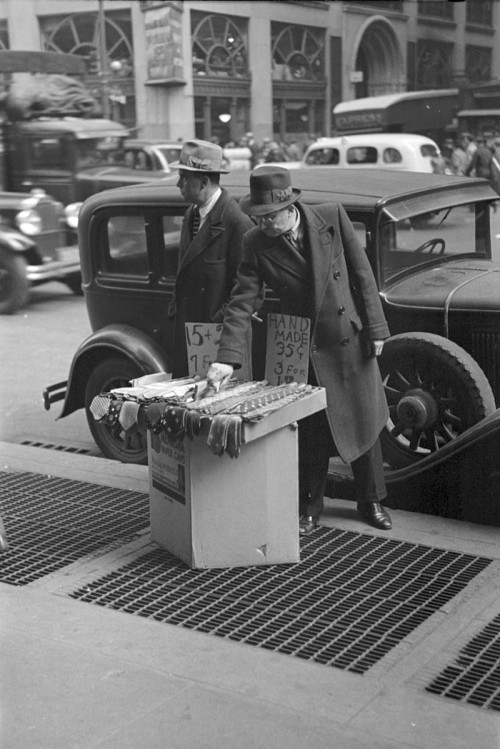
311, 258
210, 245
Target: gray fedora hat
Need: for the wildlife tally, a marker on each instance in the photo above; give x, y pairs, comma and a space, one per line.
270, 190
200, 156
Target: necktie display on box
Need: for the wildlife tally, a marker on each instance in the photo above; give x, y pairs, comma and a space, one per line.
175, 410
195, 221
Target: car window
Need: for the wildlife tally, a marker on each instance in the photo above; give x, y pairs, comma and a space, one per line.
48, 153
171, 154
323, 156
127, 247
428, 150
143, 161
431, 236
171, 237
392, 156
362, 155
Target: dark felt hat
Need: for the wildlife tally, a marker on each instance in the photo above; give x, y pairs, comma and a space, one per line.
270, 190
200, 156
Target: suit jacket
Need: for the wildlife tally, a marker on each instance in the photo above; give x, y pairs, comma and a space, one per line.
207, 271
346, 313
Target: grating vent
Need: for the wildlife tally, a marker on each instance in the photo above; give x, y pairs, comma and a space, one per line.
474, 677
52, 522
351, 599
60, 448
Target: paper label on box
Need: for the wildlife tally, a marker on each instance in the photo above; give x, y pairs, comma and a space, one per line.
287, 350
168, 470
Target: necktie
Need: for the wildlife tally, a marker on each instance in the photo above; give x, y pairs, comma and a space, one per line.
294, 241
195, 220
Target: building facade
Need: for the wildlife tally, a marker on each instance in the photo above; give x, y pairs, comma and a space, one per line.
181, 68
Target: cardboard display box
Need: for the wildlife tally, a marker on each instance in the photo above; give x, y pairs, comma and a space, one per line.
212, 511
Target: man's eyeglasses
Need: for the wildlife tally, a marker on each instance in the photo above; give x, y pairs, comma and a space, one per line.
269, 218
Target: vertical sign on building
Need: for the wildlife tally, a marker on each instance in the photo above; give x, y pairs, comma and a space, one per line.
163, 31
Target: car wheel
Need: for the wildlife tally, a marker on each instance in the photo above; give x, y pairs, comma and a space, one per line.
435, 391
14, 284
74, 283
112, 440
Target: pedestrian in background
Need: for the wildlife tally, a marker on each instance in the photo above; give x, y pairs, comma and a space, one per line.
480, 163
469, 145
458, 159
210, 245
312, 259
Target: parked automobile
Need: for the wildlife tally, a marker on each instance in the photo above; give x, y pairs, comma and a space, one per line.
151, 155
392, 151
36, 246
428, 240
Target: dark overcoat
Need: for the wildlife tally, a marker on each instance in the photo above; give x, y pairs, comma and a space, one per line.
346, 313
206, 272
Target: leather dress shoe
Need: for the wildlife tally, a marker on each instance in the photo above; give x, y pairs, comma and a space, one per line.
375, 515
307, 525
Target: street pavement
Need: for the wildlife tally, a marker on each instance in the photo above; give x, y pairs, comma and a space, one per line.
75, 675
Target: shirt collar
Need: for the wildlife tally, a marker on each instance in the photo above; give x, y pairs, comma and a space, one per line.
209, 204
296, 224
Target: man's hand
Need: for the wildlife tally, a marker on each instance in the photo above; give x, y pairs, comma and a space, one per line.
219, 374
376, 347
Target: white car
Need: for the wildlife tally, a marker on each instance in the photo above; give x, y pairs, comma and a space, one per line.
394, 151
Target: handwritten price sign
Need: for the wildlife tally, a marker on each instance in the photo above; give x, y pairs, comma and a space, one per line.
287, 352
202, 339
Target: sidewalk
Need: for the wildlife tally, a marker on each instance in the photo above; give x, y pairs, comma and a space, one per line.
76, 675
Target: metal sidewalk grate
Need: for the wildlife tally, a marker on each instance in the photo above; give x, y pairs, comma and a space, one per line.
52, 522
474, 676
350, 600
59, 448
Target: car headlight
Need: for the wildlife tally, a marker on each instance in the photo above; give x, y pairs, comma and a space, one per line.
71, 214
29, 222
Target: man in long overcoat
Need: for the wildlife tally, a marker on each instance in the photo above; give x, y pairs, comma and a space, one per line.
210, 245
311, 258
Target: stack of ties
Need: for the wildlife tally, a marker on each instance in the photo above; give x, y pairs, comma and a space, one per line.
179, 408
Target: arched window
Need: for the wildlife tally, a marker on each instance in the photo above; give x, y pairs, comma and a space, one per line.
298, 53
79, 34
219, 46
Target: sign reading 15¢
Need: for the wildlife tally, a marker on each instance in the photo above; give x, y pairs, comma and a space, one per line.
202, 340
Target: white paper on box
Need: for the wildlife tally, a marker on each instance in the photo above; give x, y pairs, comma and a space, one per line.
168, 470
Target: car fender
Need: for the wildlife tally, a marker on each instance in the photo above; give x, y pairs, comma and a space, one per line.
112, 340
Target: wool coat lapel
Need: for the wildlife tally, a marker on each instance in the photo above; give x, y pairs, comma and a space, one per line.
212, 227
317, 235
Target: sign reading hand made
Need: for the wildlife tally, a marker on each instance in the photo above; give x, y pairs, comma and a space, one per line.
287, 353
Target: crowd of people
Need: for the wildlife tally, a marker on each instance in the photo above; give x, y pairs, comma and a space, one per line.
472, 156
247, 152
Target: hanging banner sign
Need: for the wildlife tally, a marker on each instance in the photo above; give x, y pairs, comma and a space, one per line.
287, 351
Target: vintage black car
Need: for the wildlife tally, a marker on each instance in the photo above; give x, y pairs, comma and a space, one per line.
428, 240
36, 246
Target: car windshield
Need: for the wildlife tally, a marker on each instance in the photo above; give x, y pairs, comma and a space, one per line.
170, 153
456, 231
100, 151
